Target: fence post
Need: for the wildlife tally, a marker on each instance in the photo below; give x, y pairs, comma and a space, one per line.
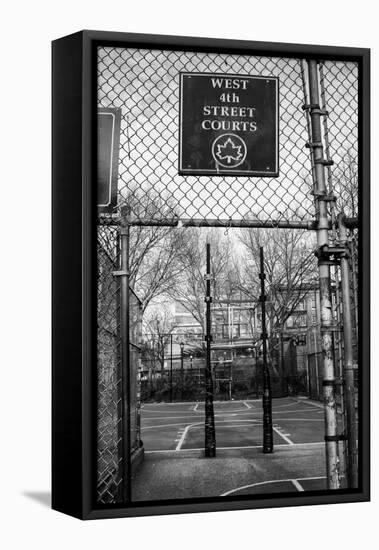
321, 201
268, 445
210, 434
171, 368
125, 354
348, 370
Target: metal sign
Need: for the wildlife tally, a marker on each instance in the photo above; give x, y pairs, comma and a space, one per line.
228, 125
108, 143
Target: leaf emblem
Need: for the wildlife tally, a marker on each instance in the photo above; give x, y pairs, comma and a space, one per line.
229, 151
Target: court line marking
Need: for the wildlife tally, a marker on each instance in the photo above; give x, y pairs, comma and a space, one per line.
195, 407
246, 405
244, 412
313, 404
313, 444
287, 439
184, 435
273, 481
298, 486
257, 422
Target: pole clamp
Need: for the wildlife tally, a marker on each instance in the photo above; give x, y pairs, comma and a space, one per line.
262, 298
208, 299
307, 106
315, 108
120, 273
326, 383
335, 438
330, 328
324, 197
324, 162
262, 276
329, 255
208, 338
313, 144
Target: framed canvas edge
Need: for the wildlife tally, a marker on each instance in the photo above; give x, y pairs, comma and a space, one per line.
82, 502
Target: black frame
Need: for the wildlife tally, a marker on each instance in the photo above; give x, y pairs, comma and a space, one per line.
74, 272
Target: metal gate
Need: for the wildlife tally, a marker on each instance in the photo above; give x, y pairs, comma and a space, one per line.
317, 182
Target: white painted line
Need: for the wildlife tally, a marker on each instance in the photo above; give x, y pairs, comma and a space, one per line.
246, 405
314, 404
292, 445
195, 407
163, 426
270, 481
283, 436
297, 485
184, 435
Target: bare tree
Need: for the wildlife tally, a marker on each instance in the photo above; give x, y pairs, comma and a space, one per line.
290, 268
158, 327
345, 182
155, 258
189, 289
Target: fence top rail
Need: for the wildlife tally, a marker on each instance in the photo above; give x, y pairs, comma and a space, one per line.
351, 223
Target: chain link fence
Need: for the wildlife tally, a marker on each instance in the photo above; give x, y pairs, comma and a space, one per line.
144, 84
110, 393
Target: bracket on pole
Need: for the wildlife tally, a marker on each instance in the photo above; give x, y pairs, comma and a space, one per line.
315, 108
330, 255
324, 197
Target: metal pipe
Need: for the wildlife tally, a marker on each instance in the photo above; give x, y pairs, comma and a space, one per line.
181, 370
349, 362
171, 370
310, 225
125, 354
210, 434
323, 224
194, 222
120, 400
268, 445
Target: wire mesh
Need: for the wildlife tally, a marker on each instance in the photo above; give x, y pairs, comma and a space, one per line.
110, 418
339, 91
145, 85
109, 381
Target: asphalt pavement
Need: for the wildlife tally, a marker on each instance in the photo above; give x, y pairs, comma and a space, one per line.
174, 466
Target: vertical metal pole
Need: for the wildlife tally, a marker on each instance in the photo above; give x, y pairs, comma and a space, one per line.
320, 193
181, 371
124, 287
210, 434
282, 359
355, 284
348, 370
268, 445
171, 369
